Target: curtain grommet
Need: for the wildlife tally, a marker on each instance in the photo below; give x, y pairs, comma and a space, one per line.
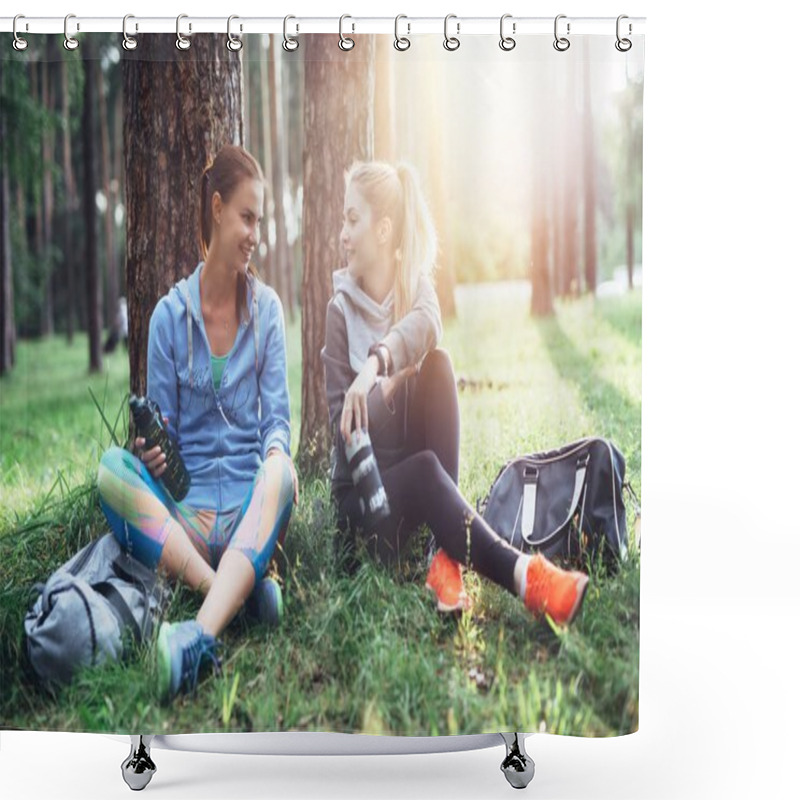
234, 43
290, 43
507, 42
182, 42
70, 42
561, 43
451, 42
346, 42
401, 43
128, 42
19, 43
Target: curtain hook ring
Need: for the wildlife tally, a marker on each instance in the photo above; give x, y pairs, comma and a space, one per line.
70, 42
182, 43
560, 40
234, 43
19, 42
128, 42
401, 42
346, 43
507, 42
451, 42
623, 45
290, 43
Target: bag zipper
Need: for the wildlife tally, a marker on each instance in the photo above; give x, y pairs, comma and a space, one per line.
79, 564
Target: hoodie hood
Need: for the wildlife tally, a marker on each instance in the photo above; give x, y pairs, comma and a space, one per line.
188, 290
367, 320
374, 312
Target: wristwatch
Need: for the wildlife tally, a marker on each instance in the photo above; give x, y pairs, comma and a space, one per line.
377, 350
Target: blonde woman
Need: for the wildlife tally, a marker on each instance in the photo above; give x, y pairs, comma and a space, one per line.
384, 373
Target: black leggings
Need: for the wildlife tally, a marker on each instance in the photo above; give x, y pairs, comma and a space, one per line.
423, 487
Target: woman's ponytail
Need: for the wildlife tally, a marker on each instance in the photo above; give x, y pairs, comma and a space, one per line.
205, 210
418, 241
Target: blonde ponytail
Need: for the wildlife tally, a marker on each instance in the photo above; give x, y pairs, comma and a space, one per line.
418, 242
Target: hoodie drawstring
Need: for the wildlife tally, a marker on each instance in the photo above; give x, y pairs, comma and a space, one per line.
189, 339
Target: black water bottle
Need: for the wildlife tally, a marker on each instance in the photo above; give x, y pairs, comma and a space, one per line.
150, 426
366, 477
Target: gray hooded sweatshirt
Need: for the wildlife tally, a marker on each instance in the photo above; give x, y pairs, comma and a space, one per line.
354, 322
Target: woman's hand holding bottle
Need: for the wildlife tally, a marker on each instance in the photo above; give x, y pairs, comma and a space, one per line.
154, 459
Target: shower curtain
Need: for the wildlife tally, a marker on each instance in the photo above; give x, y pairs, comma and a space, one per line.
474, 203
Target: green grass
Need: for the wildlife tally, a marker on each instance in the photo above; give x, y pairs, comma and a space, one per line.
367, 653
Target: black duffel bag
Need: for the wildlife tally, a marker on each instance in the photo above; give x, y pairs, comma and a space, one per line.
565, 502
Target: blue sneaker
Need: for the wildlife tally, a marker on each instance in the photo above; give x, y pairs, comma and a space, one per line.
181, 649
265, 602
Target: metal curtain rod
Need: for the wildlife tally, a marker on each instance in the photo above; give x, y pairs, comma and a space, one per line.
407, 25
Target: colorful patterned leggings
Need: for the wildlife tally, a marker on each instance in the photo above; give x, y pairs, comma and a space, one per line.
139, 511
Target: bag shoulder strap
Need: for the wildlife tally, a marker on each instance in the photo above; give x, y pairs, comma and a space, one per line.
529, 497
119, 607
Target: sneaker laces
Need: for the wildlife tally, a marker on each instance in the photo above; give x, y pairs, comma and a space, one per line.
192, 656
540, 583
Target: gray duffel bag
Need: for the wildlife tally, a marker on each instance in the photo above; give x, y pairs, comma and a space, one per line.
90, 609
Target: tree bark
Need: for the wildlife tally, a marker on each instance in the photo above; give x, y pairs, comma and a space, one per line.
70, 201
569, 201
48, 147
111, 273
336, 133
629, 234
6, 276
541, 193
437, 168
589, 183
281, 261
94, 296
179, 110
385, 145
269, 256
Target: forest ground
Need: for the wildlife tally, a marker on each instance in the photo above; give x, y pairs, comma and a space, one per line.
367, 653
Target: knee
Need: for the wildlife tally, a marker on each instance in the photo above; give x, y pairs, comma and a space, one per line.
428, 468
112, 464
439, 365
276, 471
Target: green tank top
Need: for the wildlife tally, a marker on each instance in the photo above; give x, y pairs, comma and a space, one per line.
217, 365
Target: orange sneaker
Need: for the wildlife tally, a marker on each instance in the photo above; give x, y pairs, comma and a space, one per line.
445, 581
550, 589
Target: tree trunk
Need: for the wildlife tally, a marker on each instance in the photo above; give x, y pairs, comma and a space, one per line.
94, 297
336, 133
569, 201
281, 261
541, 199
541, 285
6, 276
71, 201
385, 146
178, 112
48, 157
629, 232
111, 273
270, 275
252, 116
437, 158
589, 182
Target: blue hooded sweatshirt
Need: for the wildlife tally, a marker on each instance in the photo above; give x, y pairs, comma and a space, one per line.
223, 435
